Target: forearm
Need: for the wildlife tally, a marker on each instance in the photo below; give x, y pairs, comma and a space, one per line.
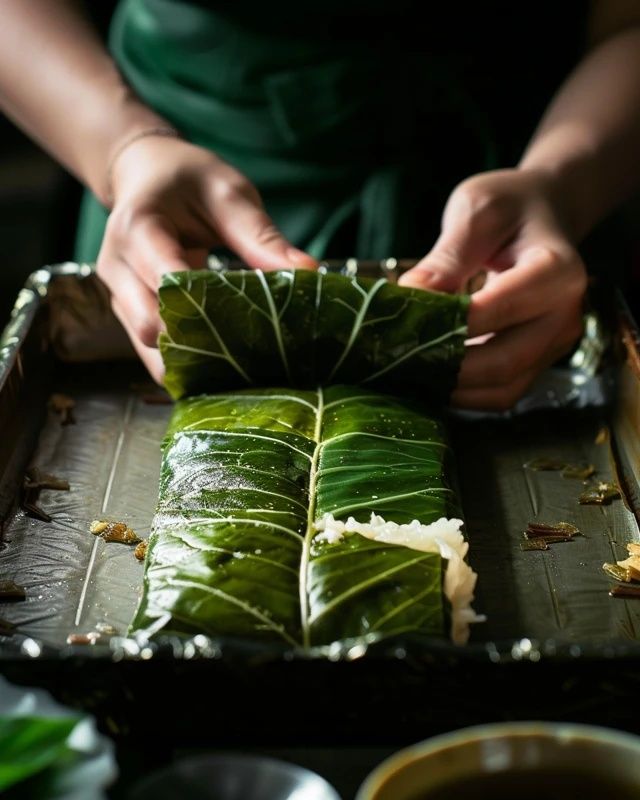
58, 83
588, 142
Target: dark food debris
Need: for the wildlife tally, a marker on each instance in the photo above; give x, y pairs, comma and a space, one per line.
601, 494
540, 535
620, 573
11, 591
106, 629
30, 506
34, 481
628, 569
83, 638
535, 529
618, 590
580, 472
63, 405
544, 464
141, 550
114, 532
534, 544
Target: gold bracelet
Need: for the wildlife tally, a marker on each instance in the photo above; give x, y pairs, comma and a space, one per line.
159, 130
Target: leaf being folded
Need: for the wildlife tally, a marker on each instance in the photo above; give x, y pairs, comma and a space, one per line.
236, 329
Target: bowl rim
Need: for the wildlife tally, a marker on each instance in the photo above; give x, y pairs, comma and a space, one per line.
239, 759
560, 731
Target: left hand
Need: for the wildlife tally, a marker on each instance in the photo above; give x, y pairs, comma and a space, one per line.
528, 313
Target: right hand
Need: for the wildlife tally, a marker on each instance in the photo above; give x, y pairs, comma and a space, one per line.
173, 202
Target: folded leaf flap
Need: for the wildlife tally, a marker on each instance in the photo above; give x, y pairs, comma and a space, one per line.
300, 328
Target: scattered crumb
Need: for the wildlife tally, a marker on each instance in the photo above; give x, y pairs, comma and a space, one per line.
63, 405
601, 494
141, 549
619, 590
534, 544
11, 591
83, 638
114, 532
544, 464
620, 573
106, 629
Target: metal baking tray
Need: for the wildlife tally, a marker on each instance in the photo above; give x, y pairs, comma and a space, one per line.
554, 644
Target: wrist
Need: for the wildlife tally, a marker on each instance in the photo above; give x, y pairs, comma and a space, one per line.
120, 149
128, 121
561, 188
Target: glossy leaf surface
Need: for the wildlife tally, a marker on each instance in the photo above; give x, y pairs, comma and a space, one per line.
236, 329
234, 549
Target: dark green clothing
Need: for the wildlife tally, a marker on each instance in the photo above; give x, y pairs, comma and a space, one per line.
352, 128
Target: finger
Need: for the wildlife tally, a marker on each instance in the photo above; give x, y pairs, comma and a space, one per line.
475, 227
153, 248
530, 347
541, 280
137, 303
150, 356
247, 229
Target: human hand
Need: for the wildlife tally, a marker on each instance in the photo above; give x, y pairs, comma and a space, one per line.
528, 313
173, 202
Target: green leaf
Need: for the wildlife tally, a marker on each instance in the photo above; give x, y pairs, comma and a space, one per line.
236, 329
245, 477
29, 745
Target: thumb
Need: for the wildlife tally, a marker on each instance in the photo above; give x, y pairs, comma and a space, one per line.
244, 225
472, 233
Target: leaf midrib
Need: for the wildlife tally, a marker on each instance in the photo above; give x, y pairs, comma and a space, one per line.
310, 529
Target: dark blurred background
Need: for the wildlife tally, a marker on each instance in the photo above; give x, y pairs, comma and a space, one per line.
39, 201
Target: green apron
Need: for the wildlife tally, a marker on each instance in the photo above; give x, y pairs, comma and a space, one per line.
342, 140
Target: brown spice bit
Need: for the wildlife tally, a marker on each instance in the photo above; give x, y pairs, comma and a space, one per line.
580, 472
543, 529
36, 479
11, 591
602, 436
63, 405
617, 572
555, 538
106, 629
30, 506
141, 550
6, 628
114, 532
534, 544
544, 464
601, 494
632, 564
83, 638
624, 591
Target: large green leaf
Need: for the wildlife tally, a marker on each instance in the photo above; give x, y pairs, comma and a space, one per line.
228, 330
235, 549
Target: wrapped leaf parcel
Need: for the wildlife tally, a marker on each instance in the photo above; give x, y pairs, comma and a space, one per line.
305, 518
228, 330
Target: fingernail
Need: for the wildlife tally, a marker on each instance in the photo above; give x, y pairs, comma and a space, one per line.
421, 279
300, 260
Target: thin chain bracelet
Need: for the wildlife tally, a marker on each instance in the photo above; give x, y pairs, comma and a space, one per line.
160, 130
